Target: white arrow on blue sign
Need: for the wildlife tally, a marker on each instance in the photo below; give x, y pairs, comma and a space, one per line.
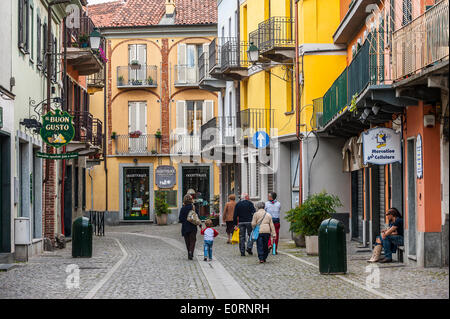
260, 139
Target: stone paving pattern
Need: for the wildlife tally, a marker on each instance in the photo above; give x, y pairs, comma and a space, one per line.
156, 269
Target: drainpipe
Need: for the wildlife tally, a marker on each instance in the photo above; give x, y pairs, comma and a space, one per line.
104, 135
297, 106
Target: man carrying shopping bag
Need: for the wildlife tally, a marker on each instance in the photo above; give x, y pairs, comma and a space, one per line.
243, 214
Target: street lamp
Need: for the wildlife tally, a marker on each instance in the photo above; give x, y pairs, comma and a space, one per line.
94, 39
253, 53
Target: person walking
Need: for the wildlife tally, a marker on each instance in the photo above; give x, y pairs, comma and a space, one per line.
228, 214
188, 229
273, 207
208, 239
266, 229
242, 218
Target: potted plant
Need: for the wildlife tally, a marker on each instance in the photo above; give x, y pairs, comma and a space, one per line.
120, 80
161, 208
136, 82
83, 40
298, 238
113, 135
154, 152
135, 134
134, 65
306, 218
149, 80
158, 133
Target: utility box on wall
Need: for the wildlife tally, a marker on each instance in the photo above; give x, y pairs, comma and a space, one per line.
22, 231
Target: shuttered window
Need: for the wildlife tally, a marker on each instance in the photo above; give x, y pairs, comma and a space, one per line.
137, 52
38, 41
181, 117
137, 117
407, 12
45, 45
24, 25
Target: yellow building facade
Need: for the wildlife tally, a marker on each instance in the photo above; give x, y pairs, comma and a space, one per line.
154, 111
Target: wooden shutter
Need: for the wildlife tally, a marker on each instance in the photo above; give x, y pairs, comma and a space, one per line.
27, 25
181, 68
38, 41
141, 56
181, 116
207, 111
141, 117
21, 23
132, 117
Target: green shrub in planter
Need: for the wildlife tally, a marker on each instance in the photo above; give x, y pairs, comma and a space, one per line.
161, 206
306, 218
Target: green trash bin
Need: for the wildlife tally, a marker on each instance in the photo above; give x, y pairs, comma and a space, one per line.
332, 247
82, 238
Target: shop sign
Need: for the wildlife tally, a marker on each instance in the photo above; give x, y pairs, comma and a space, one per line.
57, 128
61, 156
165, 176
381, 146
419, 157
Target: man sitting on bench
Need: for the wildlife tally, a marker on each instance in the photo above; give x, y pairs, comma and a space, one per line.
389, 239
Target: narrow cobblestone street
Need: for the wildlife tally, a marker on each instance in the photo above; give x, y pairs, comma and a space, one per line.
148, 261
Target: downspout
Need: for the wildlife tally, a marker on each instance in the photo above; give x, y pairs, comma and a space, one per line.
297, 106
237, 172
63, 168
105, 133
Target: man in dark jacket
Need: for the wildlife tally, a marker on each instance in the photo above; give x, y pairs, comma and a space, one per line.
243, 214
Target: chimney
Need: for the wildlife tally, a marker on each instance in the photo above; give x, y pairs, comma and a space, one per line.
170, 8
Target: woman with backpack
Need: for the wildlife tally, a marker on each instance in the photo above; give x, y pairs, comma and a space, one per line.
188, 228
266, 229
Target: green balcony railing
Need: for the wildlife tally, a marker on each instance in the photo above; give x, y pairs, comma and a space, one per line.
335, 99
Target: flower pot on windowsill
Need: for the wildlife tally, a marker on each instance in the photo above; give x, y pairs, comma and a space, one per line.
134, 65
312, 245
135, 135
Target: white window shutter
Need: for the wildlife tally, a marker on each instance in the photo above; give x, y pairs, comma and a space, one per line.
181, 116
141, 56
208, 111
131, 52
132, 116
206, 56
141, 117
181, 71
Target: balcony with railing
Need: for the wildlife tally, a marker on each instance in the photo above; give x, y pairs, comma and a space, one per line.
186, 75
255, 119
79, 55
185, 144
422, 44
143, 144
88, 137
96, 81
317, 118
275, 39
219, 131
233, 61
137, 76
206, 81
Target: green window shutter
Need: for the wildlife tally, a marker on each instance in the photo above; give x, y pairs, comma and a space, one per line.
20, 24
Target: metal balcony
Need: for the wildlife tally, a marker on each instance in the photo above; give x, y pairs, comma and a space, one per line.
220, 131
137, 76
144, 145
184, 144
422, 43
255, 119
275, 39
88, 138
79, 55
206, 81
96, 82
317, 118
233, 60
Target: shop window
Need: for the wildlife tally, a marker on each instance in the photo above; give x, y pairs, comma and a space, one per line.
136, 194
171, 197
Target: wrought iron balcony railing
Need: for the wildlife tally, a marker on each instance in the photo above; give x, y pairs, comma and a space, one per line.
203, 66
78, 36
128, 144
317, 118
422, 42
82, 122
276, 32
137, 76
97, 134
186, 75
220, 130
255, 119
234, 54
185, 144
96, 79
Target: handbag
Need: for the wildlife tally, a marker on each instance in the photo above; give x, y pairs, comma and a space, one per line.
255, 232
193, 218
235, 237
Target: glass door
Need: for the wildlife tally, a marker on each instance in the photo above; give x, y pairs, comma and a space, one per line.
136, 194
197, 179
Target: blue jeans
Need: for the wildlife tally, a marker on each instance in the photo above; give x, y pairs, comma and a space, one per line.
207, 248
245, 230
261, 245
390, 244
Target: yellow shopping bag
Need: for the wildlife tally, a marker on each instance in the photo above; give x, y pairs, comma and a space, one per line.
235, 237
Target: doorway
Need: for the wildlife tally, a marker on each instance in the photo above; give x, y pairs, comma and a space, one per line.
411, 175
68, 201
197, 179
136, 190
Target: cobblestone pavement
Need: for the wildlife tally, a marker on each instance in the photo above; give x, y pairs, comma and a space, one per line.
151, 262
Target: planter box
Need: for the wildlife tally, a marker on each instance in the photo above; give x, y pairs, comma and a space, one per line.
135, 66
299, 240
312, 245
161, 220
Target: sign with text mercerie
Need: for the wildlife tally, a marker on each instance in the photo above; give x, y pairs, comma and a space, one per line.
165, 176
57, 128
381, 146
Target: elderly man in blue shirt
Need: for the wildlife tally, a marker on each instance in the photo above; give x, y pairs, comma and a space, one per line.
273, 207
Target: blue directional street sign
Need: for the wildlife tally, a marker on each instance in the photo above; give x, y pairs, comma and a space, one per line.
261, 139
